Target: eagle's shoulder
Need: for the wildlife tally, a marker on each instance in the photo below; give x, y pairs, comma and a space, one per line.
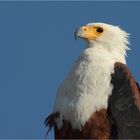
124, 102
122, 79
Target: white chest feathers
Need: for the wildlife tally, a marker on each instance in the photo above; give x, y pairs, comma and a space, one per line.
86, 88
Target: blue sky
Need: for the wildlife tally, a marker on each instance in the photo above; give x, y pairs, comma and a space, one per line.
37, 50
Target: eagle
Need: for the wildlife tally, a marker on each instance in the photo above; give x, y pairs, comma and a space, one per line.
99, 98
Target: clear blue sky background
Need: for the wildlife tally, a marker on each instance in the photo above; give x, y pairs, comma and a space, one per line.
37, 49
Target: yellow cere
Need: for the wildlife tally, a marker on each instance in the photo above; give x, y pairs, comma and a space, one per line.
92, 32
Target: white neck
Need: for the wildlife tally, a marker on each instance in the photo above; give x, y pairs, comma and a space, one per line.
116, 51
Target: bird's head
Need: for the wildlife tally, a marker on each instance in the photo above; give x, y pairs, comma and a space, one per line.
101, 34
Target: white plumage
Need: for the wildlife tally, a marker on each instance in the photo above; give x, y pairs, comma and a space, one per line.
87, 87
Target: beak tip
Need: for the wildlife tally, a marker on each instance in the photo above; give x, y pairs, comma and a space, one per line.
75, 34
75, 37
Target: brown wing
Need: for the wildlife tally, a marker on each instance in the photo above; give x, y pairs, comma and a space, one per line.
124, 104
97, 127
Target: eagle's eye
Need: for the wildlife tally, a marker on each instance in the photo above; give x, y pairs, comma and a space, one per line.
99, 30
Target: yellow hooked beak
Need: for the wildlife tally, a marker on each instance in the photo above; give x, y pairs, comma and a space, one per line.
89, 32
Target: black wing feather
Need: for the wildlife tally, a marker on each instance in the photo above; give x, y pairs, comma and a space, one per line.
50, 121
124, 104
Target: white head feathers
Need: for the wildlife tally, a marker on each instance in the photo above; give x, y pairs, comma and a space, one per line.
113, 38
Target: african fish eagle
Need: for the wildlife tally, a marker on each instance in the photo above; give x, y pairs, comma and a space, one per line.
99, 99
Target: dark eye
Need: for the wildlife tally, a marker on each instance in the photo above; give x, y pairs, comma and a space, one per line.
99, 30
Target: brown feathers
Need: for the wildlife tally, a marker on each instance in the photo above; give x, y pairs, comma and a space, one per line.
132, 85
97, 127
